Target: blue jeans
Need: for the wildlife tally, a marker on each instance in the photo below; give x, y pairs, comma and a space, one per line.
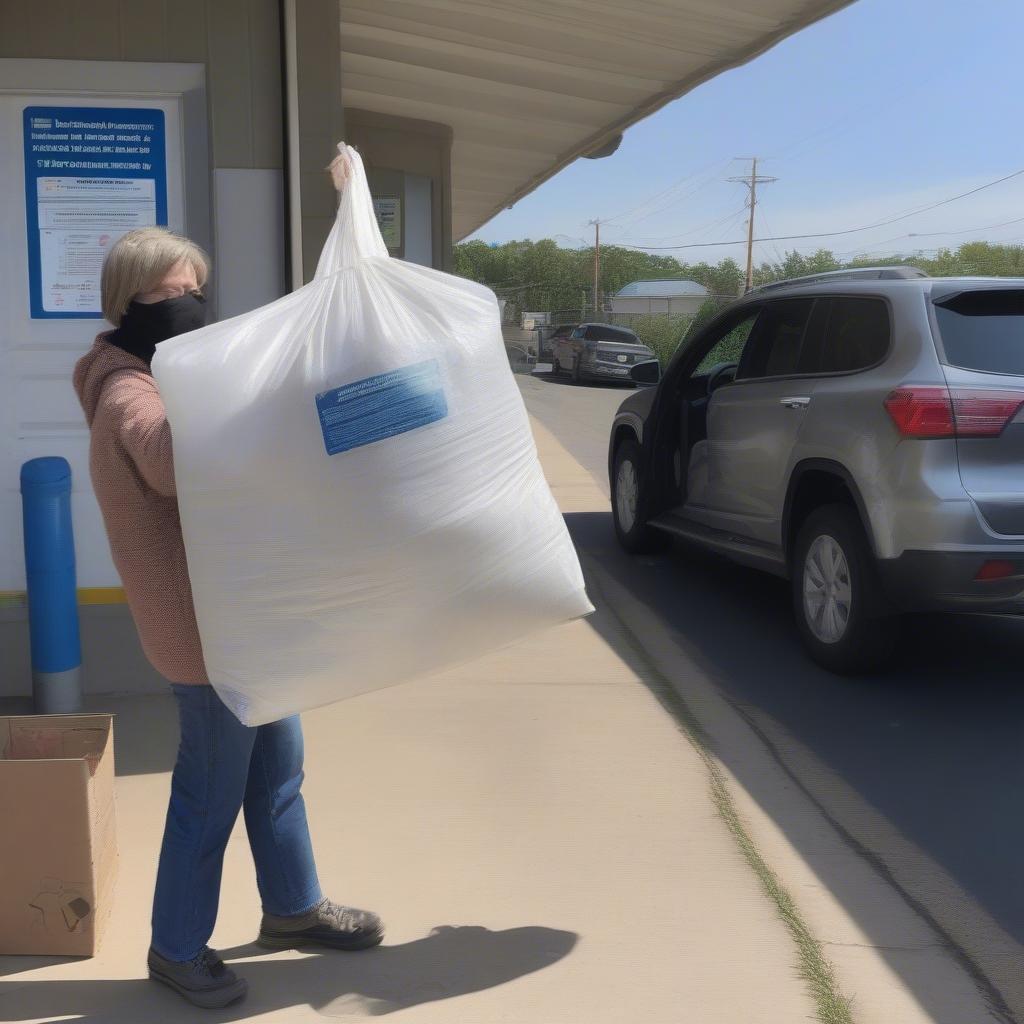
223, 766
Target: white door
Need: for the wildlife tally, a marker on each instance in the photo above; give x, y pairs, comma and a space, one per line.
39, 412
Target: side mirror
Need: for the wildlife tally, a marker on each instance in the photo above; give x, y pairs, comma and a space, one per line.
647, 372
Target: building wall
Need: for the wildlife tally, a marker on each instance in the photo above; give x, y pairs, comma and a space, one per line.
679, 305
321, 120
687, 305
409, 147
239, 43
237, 40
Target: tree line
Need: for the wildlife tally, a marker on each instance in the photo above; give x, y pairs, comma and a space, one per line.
542, 276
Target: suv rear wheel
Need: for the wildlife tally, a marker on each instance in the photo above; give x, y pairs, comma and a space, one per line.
628, 502
835, 594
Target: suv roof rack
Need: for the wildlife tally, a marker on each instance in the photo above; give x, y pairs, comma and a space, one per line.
905, 273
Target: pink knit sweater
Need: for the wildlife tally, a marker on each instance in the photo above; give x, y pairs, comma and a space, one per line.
133, 477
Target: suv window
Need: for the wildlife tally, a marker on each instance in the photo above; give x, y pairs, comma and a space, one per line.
599, 333
774, 350
984, 330
846, 333
729, 346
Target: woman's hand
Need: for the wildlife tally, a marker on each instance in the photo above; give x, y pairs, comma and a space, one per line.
341, 169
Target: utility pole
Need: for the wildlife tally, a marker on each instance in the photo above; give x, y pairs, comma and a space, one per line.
751, 181
597, 266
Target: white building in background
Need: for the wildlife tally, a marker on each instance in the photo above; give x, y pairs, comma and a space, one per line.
642, 298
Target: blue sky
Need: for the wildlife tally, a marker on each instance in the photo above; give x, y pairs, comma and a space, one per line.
885, 107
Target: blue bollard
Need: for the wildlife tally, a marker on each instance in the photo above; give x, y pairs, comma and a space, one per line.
52, 592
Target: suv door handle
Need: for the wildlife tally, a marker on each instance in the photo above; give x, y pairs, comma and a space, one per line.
798, 402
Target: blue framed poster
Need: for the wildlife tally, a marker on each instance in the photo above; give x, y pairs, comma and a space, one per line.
91, 174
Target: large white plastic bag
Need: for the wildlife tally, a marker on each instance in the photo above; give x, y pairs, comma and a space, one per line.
317, 577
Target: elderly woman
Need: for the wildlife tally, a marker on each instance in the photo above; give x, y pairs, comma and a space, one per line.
152, 290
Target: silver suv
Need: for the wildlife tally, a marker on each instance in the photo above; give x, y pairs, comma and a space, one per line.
598, 352
859, 433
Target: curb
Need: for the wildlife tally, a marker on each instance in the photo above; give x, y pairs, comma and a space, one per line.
873, 935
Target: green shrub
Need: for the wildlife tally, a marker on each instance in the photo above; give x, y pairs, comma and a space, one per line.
660, 332
665, 332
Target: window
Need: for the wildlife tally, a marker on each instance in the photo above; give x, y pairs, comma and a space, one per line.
598, 332
984, 330
729, 346
845, 334
775, 349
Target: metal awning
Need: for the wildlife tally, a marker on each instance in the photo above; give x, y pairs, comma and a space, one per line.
530, 85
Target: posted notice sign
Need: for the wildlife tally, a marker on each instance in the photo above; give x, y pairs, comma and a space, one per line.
389, 219
91, 174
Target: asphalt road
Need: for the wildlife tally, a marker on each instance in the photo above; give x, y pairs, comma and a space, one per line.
922, 767
578, 415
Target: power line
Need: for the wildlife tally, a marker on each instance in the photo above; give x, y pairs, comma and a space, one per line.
711, 179
939, 234
718, 222
682, 181
847, 231
779, 257
735, 218
963, 231
800, 147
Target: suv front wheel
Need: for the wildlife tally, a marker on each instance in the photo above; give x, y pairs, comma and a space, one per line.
629, 500
835, 594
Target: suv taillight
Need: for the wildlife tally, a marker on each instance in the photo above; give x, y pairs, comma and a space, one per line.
933, 412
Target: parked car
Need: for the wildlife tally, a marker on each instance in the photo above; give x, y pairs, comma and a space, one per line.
860, 433
599, 352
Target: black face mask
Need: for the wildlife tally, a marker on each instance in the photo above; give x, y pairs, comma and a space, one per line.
145, 324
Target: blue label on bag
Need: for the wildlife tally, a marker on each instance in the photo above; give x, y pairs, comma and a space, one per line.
379, 407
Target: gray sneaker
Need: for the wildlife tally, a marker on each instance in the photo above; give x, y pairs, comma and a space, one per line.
204, 980
326, 924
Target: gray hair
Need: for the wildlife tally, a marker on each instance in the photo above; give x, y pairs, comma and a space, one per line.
138, 262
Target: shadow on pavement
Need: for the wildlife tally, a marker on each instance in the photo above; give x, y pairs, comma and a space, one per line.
21, 964
935, 745
450, 962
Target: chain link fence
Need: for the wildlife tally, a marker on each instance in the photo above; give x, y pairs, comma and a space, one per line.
529, 334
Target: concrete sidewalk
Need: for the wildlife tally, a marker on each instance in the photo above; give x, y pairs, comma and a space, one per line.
534, 828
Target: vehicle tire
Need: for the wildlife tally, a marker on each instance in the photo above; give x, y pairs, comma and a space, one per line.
628, 503
842, 619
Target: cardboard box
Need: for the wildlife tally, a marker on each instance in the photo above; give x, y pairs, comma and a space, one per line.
58, 840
